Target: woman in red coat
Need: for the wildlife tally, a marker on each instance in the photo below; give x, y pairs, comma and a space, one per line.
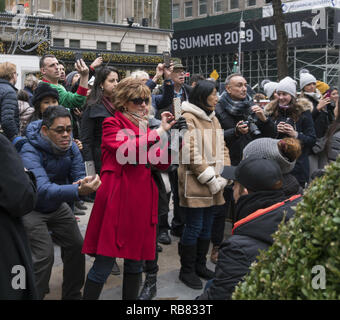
124, 216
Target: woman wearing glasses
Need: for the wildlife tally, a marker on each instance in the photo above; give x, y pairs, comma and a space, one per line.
124, 216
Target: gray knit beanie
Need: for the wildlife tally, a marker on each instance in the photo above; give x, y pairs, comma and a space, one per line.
288, 85
268, 148
269, 87
306, 79
69, 78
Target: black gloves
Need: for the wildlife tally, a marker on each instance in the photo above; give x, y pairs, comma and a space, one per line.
180, 124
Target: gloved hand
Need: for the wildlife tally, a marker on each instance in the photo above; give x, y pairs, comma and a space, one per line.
215, 185
223, 182
180, 124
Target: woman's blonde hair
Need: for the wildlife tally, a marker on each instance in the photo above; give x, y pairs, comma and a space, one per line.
7, 69
127, 89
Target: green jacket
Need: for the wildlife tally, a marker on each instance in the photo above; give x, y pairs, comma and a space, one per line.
68, 99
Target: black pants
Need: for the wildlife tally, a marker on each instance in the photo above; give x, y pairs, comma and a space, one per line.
163, 211
60, 227
151, 266
227, 211
178, 221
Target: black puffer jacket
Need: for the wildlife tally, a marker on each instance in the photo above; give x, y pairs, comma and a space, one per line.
9, 110
228, 116
250, 234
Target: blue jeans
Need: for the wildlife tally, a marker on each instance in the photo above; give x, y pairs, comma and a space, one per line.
102, 267
198, 223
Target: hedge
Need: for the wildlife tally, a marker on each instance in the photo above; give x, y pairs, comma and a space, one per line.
304, 247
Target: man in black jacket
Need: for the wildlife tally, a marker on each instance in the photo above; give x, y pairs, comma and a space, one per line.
260, 207
9, 111
232, 110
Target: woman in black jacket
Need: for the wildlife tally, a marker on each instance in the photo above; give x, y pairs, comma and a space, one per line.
322, 112
17, 198
293, 118
98, 107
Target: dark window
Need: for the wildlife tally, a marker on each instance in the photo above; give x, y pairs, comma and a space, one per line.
139, 47
58, 42
101, 45
153, 49
175, 11
234, 4
115, 46
74, 43
188, 9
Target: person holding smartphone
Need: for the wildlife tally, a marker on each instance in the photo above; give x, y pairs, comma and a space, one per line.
124, 216
322, 112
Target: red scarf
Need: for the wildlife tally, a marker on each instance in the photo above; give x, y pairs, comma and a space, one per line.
109, 106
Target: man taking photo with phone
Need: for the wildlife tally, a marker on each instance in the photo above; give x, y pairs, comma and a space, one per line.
49, 68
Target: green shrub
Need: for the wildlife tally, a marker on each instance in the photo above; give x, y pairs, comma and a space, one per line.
311, 238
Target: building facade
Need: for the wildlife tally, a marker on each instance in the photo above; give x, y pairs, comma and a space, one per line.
185, 10
207, 37
127, 33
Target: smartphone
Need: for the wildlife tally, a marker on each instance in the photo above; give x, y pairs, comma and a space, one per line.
90, 168
328, 94
78, 56
177, 108
166, 58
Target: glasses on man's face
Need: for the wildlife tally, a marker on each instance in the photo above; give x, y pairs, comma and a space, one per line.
61, 130
139, 101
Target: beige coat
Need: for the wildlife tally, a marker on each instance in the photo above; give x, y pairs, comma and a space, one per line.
204, 134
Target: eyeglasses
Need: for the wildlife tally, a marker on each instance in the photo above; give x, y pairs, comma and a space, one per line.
139, 101
61, 130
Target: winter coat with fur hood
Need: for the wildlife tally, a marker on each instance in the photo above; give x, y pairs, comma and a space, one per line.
204, 133
306, 133
323, 118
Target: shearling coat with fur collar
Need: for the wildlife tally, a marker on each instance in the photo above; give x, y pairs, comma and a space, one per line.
203, 146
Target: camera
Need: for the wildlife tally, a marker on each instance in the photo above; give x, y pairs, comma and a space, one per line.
288, 121
250, 121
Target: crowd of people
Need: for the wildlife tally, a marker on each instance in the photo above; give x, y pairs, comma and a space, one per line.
234, 155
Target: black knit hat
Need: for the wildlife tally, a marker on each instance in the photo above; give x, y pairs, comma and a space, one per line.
44, 90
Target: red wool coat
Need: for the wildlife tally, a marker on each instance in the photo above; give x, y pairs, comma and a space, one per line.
125, 212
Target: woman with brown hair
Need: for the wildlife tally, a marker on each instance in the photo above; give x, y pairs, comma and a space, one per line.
292, 118
285, 152
124, 216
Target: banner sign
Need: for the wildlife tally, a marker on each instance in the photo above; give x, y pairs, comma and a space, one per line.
267, 11
302, 28
337, 27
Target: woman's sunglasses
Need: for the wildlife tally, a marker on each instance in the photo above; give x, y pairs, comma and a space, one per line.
139, 101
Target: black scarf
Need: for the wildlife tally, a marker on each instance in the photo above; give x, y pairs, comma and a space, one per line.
252, 202
235, 108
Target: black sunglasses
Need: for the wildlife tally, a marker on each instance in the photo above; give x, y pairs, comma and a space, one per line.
61, 130
139, 101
